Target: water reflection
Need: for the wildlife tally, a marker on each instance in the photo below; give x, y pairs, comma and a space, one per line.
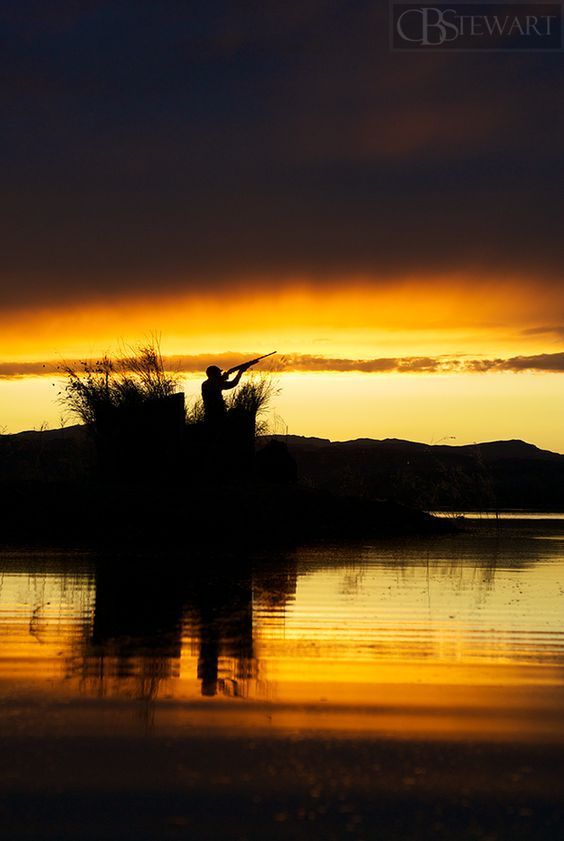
391, 690
146, 623
391, 629
219, 620
135, 640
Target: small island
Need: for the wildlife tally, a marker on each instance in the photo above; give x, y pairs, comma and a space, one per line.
144, 469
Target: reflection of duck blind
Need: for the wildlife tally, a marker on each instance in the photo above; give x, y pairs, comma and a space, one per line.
143, 441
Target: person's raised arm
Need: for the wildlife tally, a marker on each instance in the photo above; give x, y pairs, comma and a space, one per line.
227, 384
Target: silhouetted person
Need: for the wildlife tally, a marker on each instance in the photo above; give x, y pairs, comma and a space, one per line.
212, 388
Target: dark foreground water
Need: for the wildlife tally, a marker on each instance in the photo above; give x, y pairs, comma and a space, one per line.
399, 690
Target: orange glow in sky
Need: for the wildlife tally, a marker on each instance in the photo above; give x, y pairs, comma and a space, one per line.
424, 313
419, 317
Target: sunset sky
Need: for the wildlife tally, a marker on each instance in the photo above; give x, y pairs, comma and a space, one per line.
245, 177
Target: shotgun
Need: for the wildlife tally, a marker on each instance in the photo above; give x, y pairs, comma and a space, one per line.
245, 365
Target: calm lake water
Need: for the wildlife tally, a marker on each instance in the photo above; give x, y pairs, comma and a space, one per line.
405, 689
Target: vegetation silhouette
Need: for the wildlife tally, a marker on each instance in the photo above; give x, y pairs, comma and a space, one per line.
129, 381
138, 420
154, 471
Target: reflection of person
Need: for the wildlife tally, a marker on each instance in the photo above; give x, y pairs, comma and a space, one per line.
217, 381
222, 612
208, 661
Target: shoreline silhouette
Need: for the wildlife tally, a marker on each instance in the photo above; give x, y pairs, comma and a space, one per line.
144, 469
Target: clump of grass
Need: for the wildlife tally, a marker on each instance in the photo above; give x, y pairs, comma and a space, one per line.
88, 389
144, 373
195, 412
254, 397
105, 384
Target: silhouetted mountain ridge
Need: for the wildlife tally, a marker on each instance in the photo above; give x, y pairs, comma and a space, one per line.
511, 448
53, 491
492, 474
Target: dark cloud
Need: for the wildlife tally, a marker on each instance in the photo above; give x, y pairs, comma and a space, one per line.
172, 146
555, 330
549, 362
197, 363
304, 362
14, 370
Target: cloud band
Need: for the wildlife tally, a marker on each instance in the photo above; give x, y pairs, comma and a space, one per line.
192, 364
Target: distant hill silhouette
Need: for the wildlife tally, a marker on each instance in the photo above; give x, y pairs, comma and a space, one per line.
52, 492
490, 475
51, 455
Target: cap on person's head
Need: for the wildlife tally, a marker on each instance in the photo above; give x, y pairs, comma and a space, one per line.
213, 371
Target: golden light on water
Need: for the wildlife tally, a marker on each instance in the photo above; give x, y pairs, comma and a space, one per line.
439, 639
